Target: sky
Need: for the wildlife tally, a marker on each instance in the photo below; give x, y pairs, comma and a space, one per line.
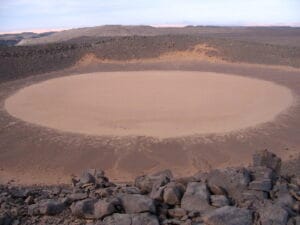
44, 15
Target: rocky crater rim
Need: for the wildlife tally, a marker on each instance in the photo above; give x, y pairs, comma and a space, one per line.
150, 103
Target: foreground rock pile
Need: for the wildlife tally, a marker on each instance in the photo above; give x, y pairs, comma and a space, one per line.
233, 196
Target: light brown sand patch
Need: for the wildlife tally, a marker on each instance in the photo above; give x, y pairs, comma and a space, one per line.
152, 103
200, 52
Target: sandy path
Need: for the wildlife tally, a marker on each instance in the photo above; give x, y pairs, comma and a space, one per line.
152, 103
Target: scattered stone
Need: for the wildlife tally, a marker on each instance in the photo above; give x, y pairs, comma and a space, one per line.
228, 215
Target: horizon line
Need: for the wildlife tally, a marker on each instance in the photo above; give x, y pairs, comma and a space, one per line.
45, 30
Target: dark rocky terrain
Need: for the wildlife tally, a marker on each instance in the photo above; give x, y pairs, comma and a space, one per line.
22, 61
259, 194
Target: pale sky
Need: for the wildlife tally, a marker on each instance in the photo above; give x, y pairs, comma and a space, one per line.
26, 15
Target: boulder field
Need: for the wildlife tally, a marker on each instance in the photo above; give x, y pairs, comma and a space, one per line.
257, 195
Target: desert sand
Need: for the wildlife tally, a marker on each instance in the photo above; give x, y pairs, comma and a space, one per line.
150, 103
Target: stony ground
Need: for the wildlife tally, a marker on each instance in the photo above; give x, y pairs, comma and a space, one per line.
258, 194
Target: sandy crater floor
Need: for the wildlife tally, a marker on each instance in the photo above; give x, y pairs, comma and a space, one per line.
153, 103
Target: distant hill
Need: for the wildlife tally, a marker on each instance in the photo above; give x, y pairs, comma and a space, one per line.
14, 39
268, 35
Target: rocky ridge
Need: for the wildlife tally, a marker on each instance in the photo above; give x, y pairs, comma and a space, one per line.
258, 194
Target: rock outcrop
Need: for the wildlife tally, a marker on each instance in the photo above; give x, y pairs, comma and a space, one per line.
256, 195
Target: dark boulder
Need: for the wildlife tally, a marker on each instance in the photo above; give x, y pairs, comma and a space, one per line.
267, 159
146, 182
233, 180
196, 197
105, 207
84, 209
136, 203
228, 215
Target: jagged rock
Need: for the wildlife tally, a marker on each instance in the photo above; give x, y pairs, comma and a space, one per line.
196, 197
105, 207
146, 182
158, 187
131, 219
135, 203
219, 200
84, 208
177, 212
261, 185
233, 180
273, 214
172, 194
86, 178
228, 215
267, 159
46, 207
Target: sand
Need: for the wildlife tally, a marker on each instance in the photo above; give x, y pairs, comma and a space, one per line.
154, 103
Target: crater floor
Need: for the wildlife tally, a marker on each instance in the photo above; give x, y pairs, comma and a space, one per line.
150, 103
